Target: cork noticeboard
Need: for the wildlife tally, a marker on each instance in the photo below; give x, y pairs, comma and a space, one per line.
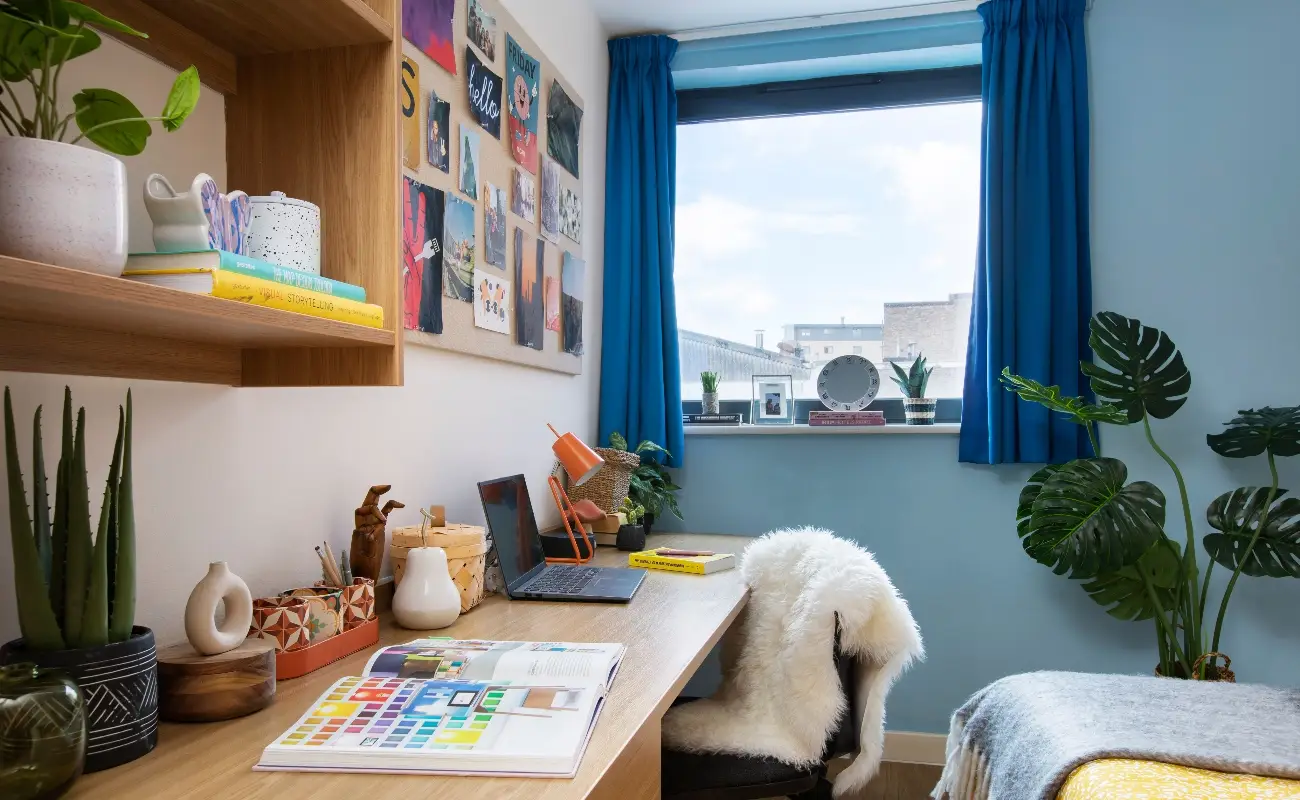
494, 164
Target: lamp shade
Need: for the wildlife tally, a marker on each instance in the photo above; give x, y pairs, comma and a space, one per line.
579, 460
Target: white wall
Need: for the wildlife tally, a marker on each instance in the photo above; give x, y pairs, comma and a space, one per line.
256, 477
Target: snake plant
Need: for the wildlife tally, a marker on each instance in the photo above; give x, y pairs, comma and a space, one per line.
73, 591
912, 381
1086, 521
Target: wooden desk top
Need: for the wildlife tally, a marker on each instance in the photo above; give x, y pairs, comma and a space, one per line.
669, 627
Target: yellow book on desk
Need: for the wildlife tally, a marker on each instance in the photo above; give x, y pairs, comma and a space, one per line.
695, 565
256, 291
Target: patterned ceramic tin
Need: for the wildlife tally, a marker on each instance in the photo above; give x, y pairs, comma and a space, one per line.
286, 232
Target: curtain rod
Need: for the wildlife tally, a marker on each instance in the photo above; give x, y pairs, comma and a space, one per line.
795, 23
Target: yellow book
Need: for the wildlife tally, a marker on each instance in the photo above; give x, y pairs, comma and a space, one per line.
256, 291
695, 565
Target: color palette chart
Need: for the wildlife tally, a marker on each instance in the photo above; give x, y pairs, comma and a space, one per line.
402, 714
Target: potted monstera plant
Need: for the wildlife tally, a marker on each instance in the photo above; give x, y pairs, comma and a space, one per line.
76, 593
1085, 519
62, 203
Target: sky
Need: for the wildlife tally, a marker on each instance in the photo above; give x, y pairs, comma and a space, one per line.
812, 218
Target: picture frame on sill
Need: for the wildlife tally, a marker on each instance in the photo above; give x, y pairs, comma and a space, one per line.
773, 400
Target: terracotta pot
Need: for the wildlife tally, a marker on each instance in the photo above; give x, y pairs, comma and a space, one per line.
62, 204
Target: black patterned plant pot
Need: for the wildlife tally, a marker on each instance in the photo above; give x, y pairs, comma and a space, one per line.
919, 410
120, 684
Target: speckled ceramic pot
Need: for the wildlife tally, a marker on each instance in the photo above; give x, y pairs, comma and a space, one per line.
286, 232
62, 204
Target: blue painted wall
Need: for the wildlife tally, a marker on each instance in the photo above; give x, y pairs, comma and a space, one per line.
1196, 229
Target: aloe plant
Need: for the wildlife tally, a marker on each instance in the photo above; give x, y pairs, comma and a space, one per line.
709, 380
73, 591
912, 381
1087, 522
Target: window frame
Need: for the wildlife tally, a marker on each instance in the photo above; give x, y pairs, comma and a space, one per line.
862, 92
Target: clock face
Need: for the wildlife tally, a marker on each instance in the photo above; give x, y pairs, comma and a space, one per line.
848, 383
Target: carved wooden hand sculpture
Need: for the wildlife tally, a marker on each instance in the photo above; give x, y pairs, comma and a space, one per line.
368, 538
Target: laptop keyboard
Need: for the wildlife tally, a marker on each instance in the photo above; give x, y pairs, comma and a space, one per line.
562, 580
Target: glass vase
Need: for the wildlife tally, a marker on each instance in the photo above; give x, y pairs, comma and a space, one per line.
42, 733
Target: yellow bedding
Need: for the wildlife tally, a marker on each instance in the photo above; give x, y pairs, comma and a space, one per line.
1122, 779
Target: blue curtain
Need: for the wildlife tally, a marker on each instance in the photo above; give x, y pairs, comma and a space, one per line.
1033, 280
640, 376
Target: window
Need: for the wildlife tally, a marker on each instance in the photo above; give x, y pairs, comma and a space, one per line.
850, 230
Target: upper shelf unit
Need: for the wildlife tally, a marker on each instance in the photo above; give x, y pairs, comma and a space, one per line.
310, 88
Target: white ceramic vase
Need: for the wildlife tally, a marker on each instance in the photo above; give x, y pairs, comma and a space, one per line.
62, 204
427, 597
201, 610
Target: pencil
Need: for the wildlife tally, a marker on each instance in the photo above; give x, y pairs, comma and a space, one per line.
334, 569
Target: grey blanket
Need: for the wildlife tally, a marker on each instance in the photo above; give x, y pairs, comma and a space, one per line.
1021, 737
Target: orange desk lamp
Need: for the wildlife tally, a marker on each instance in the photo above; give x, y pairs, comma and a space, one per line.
581, 463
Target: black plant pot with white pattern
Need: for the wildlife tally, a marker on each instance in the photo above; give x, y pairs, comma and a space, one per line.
919, 410
120, 684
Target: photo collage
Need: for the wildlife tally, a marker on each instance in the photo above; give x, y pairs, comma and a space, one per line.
491, 207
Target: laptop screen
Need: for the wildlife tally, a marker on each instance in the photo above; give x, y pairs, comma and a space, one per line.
513, 527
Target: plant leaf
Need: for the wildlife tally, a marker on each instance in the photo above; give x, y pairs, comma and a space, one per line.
80, 545
617, 442
90, 16
35, 616
1236, 514
23, 45
41, 502
1122, 592
1025, 506
1254, 431
181, 100
99, 106
53, 13
1075, 409
1148, 374
1085, 521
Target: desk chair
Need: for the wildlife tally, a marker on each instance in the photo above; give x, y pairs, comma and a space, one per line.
726, 776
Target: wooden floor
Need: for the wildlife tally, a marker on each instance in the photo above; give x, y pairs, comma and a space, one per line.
896, 781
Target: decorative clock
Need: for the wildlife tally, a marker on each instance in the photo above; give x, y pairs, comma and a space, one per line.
848, 383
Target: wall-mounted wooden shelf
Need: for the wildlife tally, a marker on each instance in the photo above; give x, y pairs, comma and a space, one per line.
311, 110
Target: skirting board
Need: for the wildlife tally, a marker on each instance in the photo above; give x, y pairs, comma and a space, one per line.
915, 748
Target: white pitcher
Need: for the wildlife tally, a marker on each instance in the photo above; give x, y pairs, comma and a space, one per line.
427, 598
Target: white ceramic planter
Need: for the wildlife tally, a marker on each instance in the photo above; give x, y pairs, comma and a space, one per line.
62, 204
285, 231
426, 598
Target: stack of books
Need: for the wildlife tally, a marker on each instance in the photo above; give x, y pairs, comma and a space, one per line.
711, 419
819, 419
245, 279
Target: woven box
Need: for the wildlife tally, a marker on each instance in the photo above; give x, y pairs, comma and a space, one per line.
608, 487
466, 548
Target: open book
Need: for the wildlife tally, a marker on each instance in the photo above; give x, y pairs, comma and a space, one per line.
456, 706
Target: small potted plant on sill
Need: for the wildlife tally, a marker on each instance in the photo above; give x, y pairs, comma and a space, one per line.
631, 536
918, 408
76, 594
709, 380
60, 203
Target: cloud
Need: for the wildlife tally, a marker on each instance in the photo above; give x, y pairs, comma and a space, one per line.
715, 227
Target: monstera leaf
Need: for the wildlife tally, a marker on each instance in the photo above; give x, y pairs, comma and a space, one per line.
1253, 431
1124, 595
1236, 514
1148, 374
1074, 408
1082, 520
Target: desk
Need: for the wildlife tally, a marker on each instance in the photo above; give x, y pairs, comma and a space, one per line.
669, 627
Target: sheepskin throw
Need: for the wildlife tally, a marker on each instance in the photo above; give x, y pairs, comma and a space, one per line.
780, 695
1019, 738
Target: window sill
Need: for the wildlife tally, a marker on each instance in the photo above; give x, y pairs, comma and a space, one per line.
939, 429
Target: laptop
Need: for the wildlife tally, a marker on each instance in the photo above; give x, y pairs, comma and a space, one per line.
518, 547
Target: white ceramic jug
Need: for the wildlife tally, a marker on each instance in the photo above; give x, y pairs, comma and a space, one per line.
200, 611
426, 598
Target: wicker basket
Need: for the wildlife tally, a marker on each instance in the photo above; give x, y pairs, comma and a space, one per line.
466, 548
610, 485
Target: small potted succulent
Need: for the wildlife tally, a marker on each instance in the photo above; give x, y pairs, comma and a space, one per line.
918, 408
709, 380
60, 203
76, 593
631, 535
